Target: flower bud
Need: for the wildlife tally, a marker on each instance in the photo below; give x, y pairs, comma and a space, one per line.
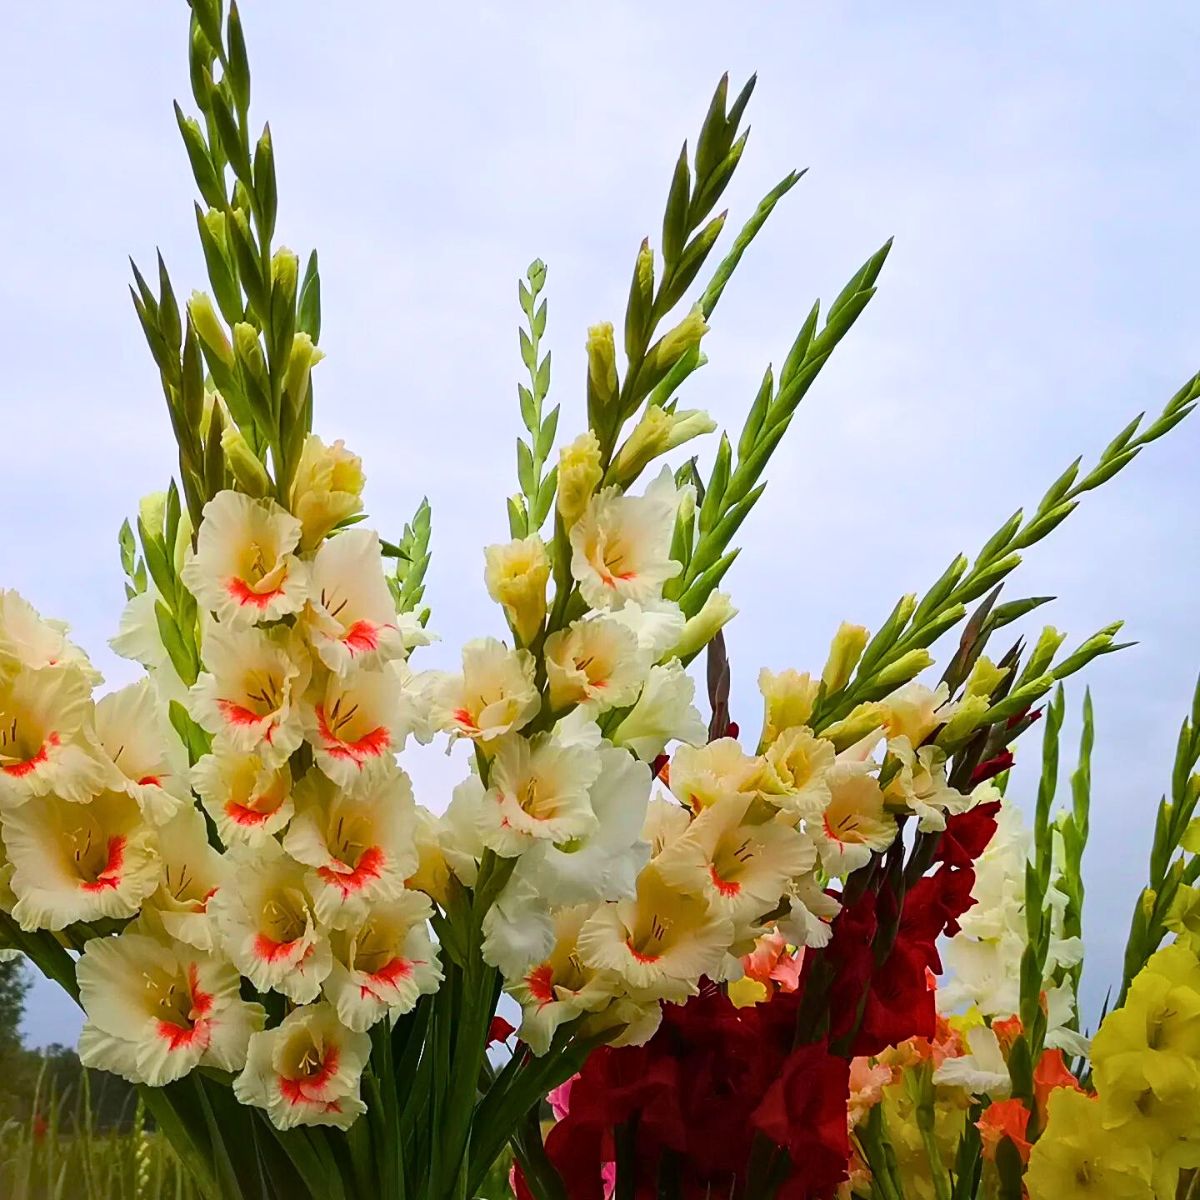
717, 612
327, 488
985, 677
209, 328
848, 644
968, 713
579, 475
670, 348
303, 358
247, 467
657, 433
516, 577
906, 667
788, 700
152, 512
602, 383
864, 719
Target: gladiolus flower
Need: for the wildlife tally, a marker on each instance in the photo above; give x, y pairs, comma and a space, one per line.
79, 862
244, 570
494, 694
359, 846
701, 775
1004, 1119
30, 641
149, 760
855, 822
537, 790
306, 1071
788, 699
621, 545
249, 696
516, 576
596, 662
560, 988
664, 713
799, 765
246, 799
660, 943
351, 617
383, 961
326, 490
45, 737
192, 871
356, 725
155, 1012
914, 711
266, 923
579, 475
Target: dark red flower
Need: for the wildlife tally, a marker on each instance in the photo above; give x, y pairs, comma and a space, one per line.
499, 1030
804, 1111
967, 834
992, 767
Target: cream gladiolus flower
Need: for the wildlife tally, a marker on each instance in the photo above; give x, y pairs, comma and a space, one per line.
920, 786
596, 662
327, 488
192, 871
914, 711
621, 545
560, 988
351, 617
855, 823
244, 569
266, 923
537, 790
604, 864
383, 961
516, 575
79, 862
139, 640
355, 725
701, 775
579, 475
46, 740
432, 875
741, 866
494, 694
788, 699
658, 625
29, 640
660, 943
156, 1012
461, 830
150, 761
799, 764
518, 930
359, 845
247, 799
306, 1071
810, 911
250, 695
664, 713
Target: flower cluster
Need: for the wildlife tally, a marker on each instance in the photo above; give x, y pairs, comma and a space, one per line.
290, 872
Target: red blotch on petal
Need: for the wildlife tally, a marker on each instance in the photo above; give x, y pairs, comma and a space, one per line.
246, 596
353, 879
110, 877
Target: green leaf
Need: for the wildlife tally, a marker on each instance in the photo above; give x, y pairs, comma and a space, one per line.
545, 437
231, 139
238, 70
203, 171
526, 473
309, 319
528, 408
675, 228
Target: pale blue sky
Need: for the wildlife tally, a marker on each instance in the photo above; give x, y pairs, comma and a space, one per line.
1037, 163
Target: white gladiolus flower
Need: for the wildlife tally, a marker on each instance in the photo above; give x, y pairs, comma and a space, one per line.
855, 822
79, 862
360, 846
139, 640
192, 871
559, 988
657, 625
494, 695
29, 640
383, 961
249, 696
150, 761
920, 785
518, 930
244, 569
461, 830
537, 790
247, 799
266, 923
983, 1071
355, 725
351, 618
664, 713
810, 912
743, 868
155, 1012
306, 1071
604, 864
46, 741
660, 943
621, 546
596, 662
665, 821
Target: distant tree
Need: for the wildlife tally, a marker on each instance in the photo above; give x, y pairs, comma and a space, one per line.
14, 1065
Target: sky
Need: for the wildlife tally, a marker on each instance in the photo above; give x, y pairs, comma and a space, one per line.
1039, 174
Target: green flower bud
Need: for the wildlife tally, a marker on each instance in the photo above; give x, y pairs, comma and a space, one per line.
210, 328
247, 468
846, 649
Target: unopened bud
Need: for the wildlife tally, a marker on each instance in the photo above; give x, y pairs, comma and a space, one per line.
247, 467
209, 328
516, 576
579, 475
716, 613
603, 386
658, 432
844, 652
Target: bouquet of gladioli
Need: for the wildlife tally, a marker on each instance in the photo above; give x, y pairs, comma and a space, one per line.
301, 966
